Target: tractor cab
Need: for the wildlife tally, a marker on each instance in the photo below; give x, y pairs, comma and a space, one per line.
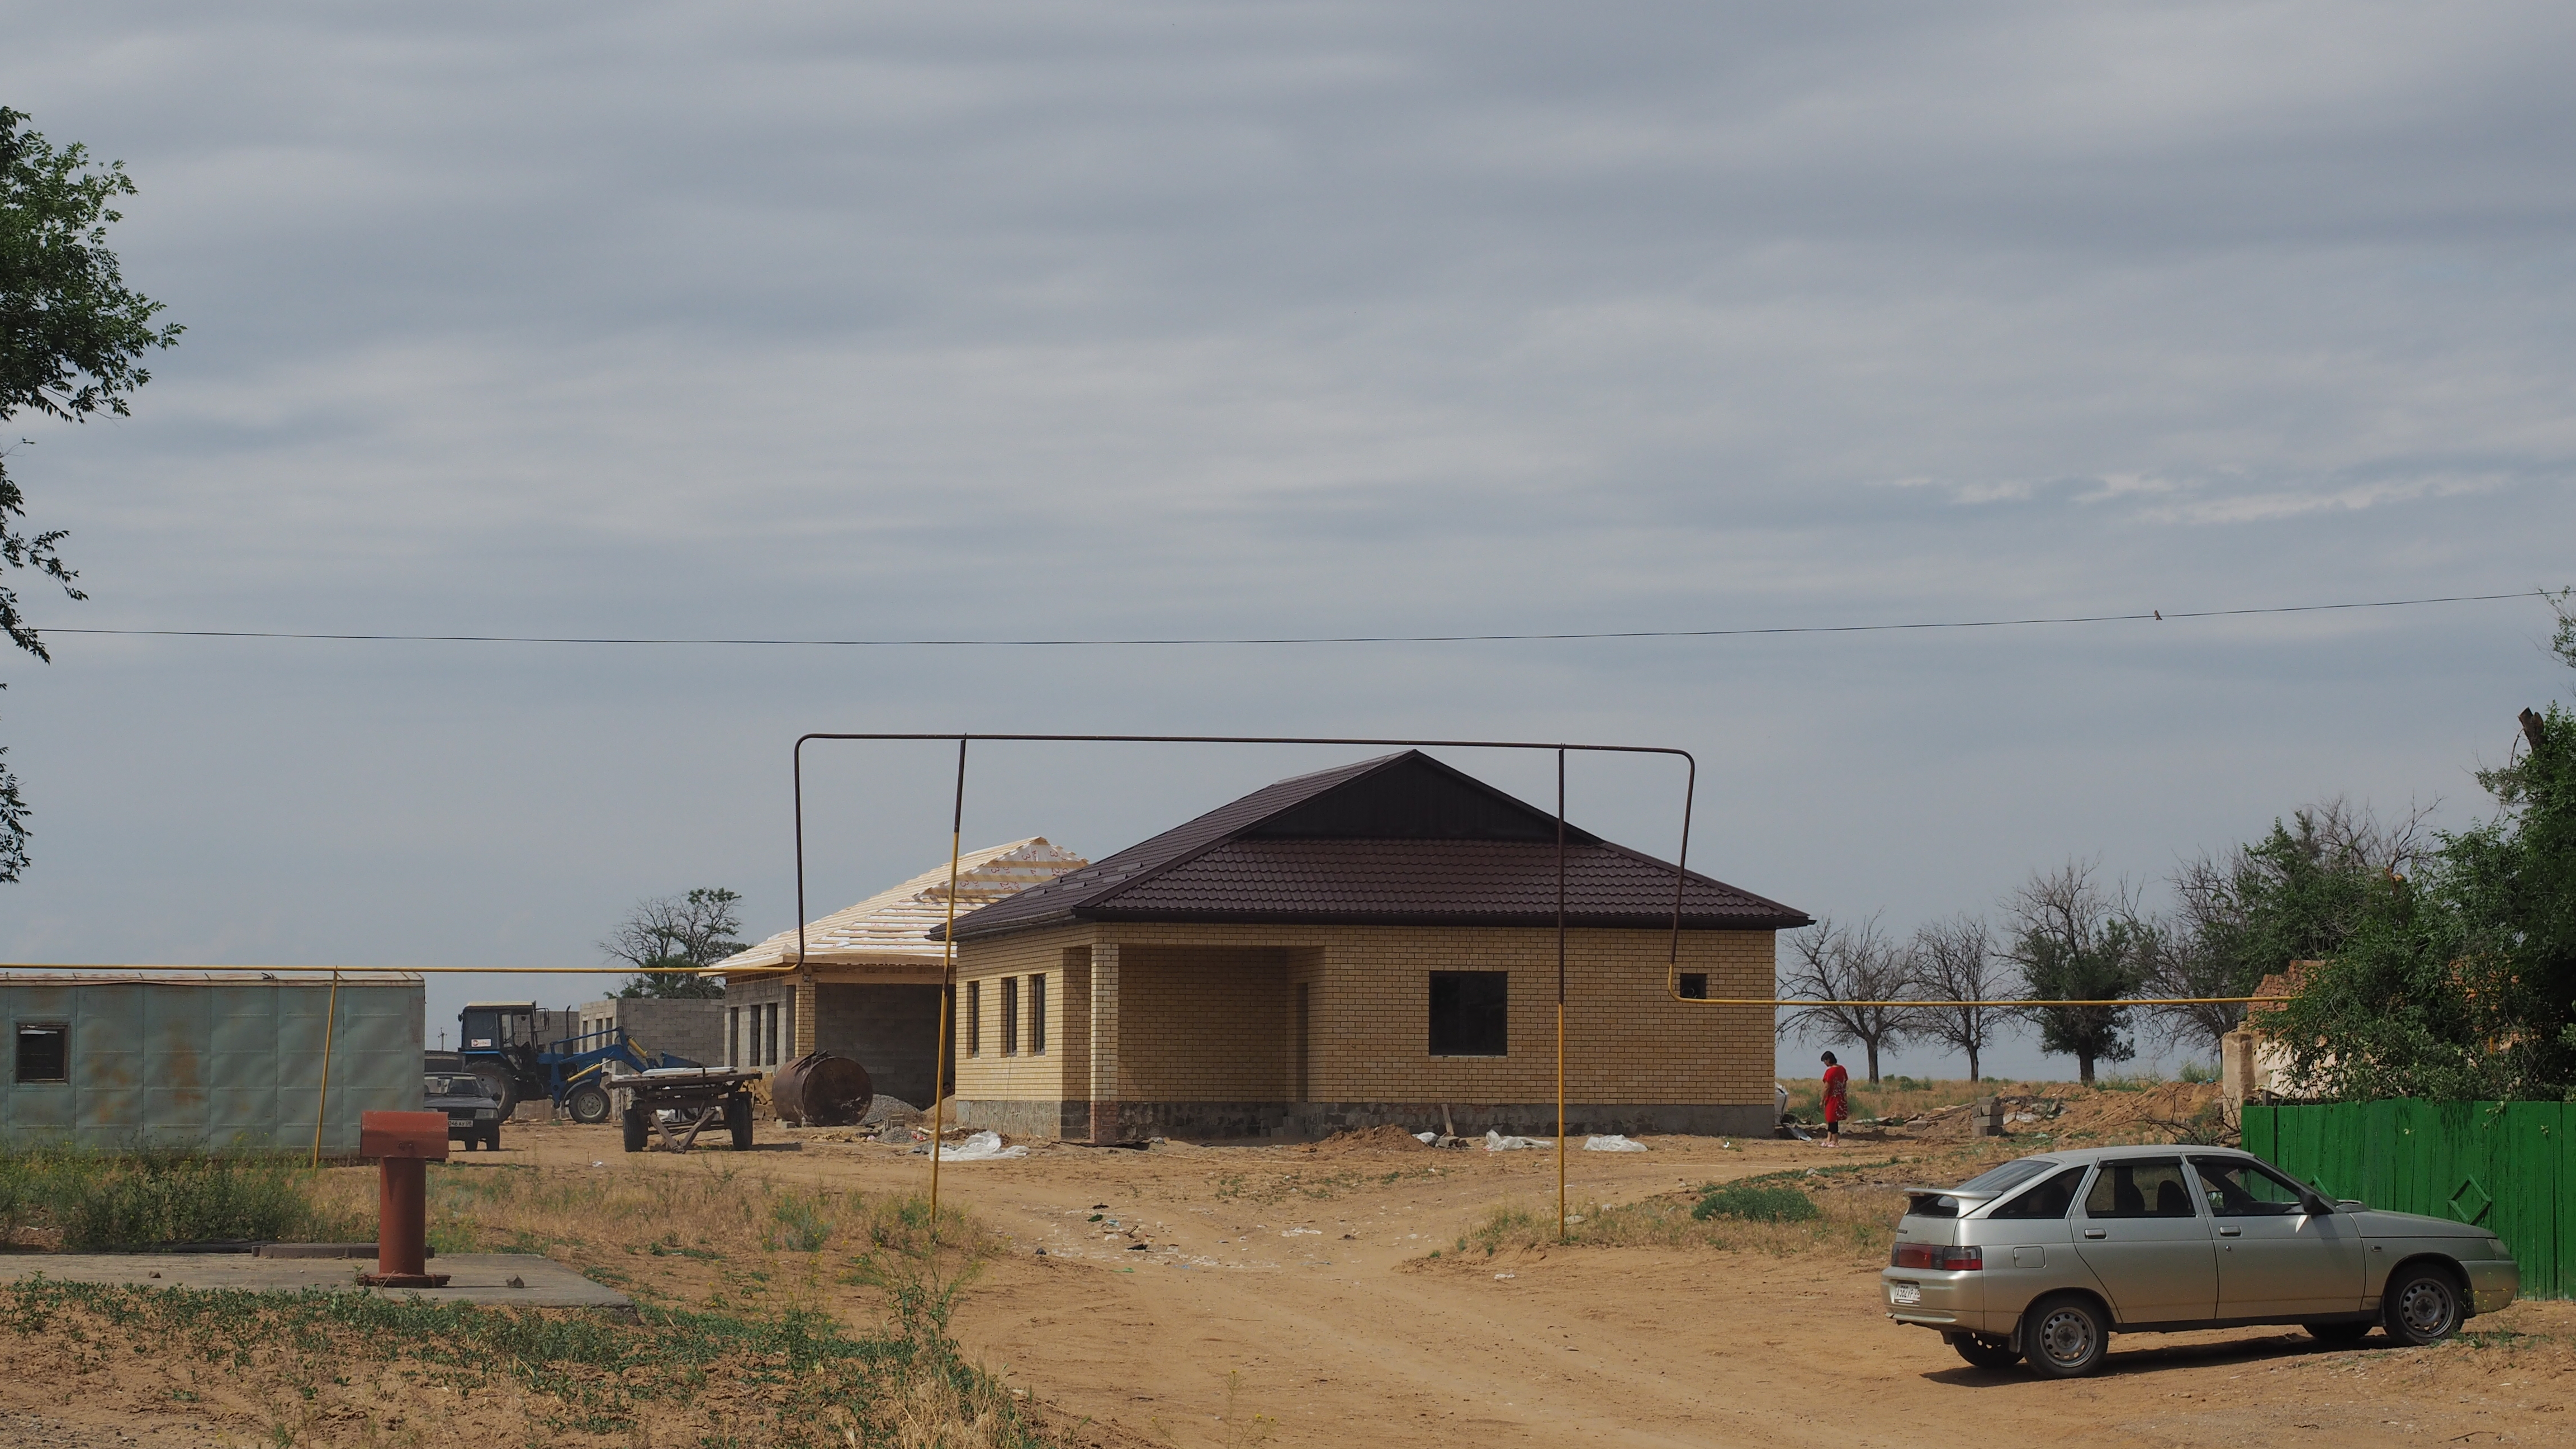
497, 1041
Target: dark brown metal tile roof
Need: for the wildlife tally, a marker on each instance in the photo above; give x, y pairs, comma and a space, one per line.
1398, 840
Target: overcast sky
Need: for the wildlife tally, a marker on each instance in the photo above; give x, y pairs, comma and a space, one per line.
972, 320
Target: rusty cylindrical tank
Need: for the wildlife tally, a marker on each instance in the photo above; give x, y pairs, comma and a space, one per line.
819, 1089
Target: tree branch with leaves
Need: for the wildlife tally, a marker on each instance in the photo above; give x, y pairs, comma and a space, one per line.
1842, 965
667, 935
72, 340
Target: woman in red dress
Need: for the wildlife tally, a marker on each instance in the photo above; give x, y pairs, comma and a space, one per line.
1837, 1100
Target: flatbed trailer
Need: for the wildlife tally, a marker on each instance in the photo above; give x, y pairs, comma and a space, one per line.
678, 1103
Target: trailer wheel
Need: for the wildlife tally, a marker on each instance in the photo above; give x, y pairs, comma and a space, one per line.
637, 1123
738, 1117
588, 1104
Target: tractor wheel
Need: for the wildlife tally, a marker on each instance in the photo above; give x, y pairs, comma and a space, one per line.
738, 1117
588, 1104
636, 1124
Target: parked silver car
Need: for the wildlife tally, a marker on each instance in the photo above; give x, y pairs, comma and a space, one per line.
2044, 1258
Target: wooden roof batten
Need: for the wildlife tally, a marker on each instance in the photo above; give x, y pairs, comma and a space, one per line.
1400, 839
891, 930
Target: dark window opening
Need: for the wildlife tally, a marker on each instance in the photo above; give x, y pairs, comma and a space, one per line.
44, 1054
1010, 1016
1470, 1013
1695, 986
974, 1018
1037, 1016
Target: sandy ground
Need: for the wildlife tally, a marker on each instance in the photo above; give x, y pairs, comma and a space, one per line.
1292, 1283
1236, 1295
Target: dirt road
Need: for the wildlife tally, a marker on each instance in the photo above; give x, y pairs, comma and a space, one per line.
1234, 1295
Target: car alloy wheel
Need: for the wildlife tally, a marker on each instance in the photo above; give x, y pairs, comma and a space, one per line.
2064, 1338
2423, 1307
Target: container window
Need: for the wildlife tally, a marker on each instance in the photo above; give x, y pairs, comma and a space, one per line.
44, 1052
1470, 1013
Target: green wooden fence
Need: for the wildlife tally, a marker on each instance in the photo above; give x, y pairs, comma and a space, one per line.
2506, 1166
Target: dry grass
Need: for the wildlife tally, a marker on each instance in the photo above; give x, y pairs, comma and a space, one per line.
1855, 1220
825, 1320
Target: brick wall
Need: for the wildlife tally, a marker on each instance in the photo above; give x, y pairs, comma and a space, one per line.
886, 1029
692, 1029
1208, 1015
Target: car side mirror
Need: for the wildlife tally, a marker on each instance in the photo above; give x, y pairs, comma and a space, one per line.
2351, 1205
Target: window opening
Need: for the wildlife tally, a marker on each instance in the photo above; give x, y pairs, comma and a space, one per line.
1037, 1016
1694, 986
44, 1052
974, 1018
1010, 1016
2150, 1187
1470, 1013
2237, 1188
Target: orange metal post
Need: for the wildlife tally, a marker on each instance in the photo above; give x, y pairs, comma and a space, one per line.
403, 1144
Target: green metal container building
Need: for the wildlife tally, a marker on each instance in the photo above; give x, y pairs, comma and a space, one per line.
115, 1060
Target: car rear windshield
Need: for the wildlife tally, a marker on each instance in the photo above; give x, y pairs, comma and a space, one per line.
2007, 1177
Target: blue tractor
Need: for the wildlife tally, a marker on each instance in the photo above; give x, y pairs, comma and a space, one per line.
500, 1042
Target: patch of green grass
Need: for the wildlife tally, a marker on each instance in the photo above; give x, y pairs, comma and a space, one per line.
1757, 1203
100, 1200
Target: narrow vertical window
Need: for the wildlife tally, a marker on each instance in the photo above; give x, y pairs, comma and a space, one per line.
1037, 1016
974, 1018
1010, 1016
774, 1008
733, 1036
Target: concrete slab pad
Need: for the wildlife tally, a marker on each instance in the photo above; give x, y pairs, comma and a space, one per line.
472, 1277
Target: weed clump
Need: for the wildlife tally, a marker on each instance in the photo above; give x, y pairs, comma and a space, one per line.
98, 1200
1757, 1202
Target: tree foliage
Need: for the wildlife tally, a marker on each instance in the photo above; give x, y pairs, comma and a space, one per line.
72, 340
2298, 894
2076, 940
662, 933
2460, 983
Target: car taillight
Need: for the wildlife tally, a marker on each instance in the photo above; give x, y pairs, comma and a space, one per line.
1937, 1259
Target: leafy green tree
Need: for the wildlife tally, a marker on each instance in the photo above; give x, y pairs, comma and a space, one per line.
667, 934
2073, 940
2298, 894
2460, 984
72, 338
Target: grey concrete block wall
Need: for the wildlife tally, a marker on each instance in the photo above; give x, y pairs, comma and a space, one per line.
886, 1029
692, 1029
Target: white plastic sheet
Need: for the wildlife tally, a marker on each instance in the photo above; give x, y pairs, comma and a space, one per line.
981, 1147
1612, 1143
1426, 1138
1497, 1142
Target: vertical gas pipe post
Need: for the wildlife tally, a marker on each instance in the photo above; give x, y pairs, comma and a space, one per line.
403, 1144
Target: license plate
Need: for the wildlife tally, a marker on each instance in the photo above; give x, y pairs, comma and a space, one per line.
1904, 1292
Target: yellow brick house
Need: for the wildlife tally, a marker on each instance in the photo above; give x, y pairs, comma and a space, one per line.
1369, 944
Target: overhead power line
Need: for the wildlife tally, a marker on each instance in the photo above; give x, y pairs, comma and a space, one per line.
2144, 615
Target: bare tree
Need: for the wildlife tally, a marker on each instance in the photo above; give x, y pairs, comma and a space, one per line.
1954, 961
666, 932
1842, 965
